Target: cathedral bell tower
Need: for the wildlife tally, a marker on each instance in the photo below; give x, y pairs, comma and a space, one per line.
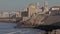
45, 6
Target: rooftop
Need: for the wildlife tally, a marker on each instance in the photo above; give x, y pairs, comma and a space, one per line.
55, 7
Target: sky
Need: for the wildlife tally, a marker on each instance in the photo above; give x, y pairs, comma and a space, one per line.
14, 5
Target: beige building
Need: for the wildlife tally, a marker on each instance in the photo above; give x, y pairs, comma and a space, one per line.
18, 14
4, 14
32, 9
46, 6
55, 8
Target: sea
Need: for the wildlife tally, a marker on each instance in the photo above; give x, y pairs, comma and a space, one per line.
8, 28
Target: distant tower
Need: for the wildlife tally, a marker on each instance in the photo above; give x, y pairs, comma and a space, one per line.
31, 9
38, 4
45, 6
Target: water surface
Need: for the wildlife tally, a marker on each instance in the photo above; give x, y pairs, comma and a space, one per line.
8, 28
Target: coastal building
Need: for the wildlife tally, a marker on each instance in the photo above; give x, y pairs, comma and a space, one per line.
32, 9
55, 10
18, 14
23, 13
1, 13
38, 9
4, 14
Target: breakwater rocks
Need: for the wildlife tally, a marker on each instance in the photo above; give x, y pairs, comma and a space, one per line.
24, 25
57, 31
49, 29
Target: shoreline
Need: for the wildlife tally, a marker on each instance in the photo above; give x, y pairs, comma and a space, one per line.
7, 22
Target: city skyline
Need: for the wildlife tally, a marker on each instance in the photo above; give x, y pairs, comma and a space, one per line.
15, 5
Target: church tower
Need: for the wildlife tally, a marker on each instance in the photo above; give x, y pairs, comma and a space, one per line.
45, 6
38, 4
31, 9
38, 10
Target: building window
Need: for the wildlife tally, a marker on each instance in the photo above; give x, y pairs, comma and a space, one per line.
55, 13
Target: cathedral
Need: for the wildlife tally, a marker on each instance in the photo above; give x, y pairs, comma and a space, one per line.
35, 8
